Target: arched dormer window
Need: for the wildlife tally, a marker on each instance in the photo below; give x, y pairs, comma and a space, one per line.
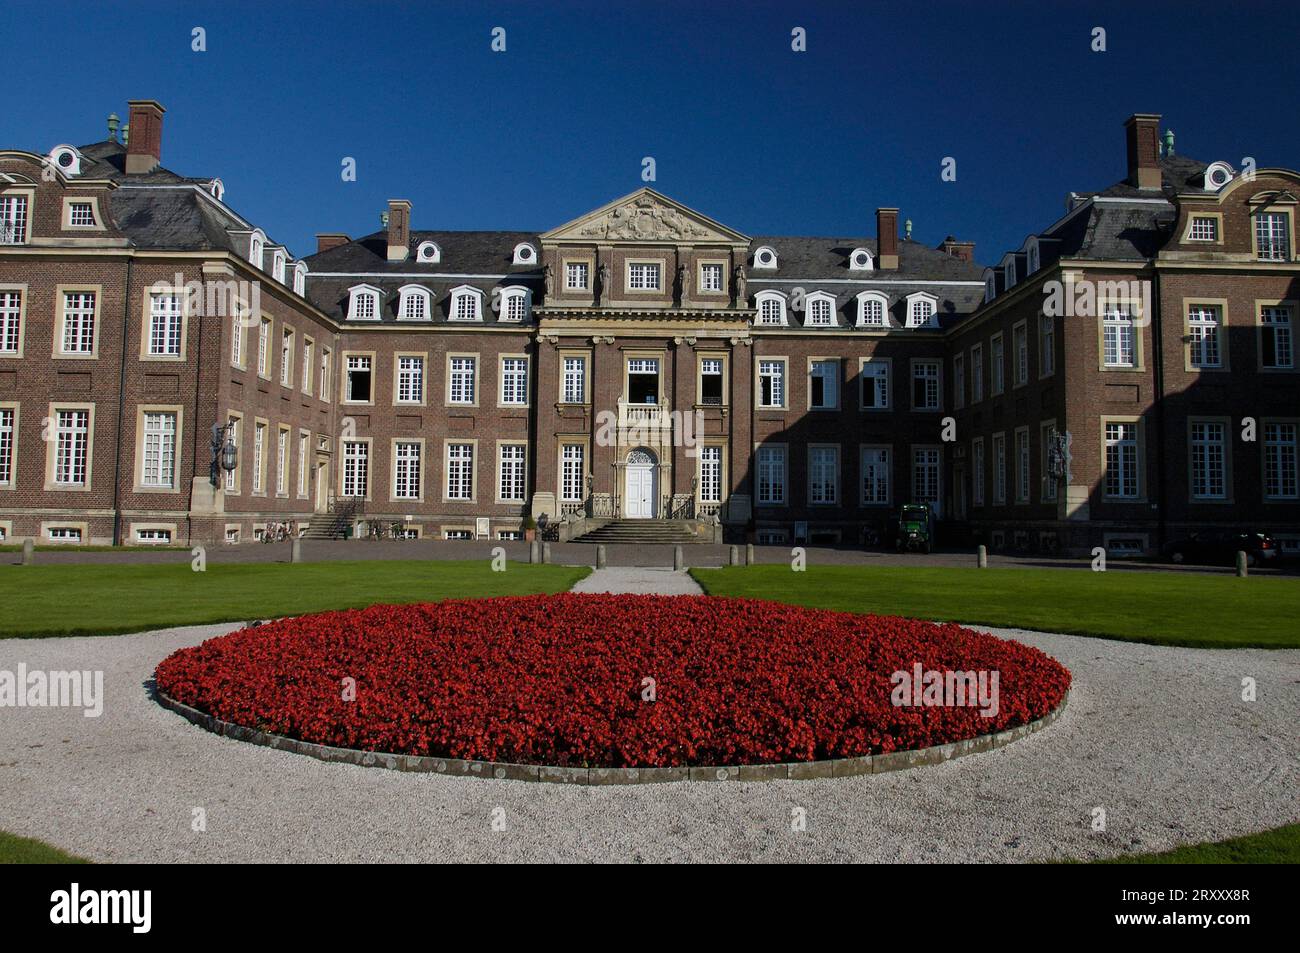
466, 304
765, 257
922, 310
300, 278
525, 254
255, 246
428, 252
1009, 273
414, 303
873, 309
217, 189
1033, 257
770, 307
819, 309
278, 261
990, 285
363, 303
860, 259
515, 304
66, 159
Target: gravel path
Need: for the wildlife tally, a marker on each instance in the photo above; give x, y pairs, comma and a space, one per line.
641, 581
1157, 737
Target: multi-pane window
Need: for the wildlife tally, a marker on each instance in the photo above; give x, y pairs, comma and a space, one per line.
771, 311
359, 378
1272, 236
415, 306
514, 380
1205, 228
576, 275
1020, 338
771, 476
1121, 460
259, 457
365, 306
823, 474
1280, 478
13, 219
286, 358
11, 317
308, 364
875, 385
1047, 436
324, 373
977, 467
78, 322
410, 379
71, 447
6, 446
232, 476
921, 313
1203, 336
1275, 338
711, 474
464, 307
304, 446
819, 312
1209, 461
406, 470
925, 385
998, 367
1022, 465
159, 465
977, 373
575, 380
81, 214
282, 462
461, 380
925, 475
264, 348
573, 472
999, 468
823, 383
1046, 345
875, 475
771, 383
871, 313
512, 471
711, 277
460, 471
237, 338
958, 381
643, 276
711, 381
1118, 339
356, 467
514, 306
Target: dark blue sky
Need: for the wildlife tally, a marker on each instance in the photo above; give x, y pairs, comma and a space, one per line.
761, 138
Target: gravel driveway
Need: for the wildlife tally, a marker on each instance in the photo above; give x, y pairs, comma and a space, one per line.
1157, 737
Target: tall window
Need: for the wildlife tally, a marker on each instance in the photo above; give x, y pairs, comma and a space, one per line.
165, 325
410, 380
6, 446
998, 365
259, 457
711, 381
823, 382
771, 476
573, 472
356, 467
1020, 337
823, 475
875, 385
575, 380
325, 373
1280, 461
771, 383
875, 475
512, 475
925, 475
514, 380
461, 386
232, 476
282, 462
1275, 338
1118, 339
925, 385
304, 448
1121, 461
1272, 236
72, 442
1209, 464
819, 312
237, 338
711, 474
977, 373
79, 322
286, 358
576, 276
999, 468
308, 364
643, 276
1047, 438
711, 277
958, 381
1046, 345
358, 382
977, 466
13, 219
11, 316
460, 471
1022, 465
406, 470
159, 466
264, 348
1203, 336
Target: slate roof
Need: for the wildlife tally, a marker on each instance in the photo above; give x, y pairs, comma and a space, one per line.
808, 258
463, 252
172, 218
108, 161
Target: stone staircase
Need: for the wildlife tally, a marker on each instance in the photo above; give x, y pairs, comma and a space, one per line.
645, 533
328, 526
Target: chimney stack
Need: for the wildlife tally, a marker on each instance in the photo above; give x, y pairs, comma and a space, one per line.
327, 240
399, 229
1142, 138
887, 238
962, 250
144, 147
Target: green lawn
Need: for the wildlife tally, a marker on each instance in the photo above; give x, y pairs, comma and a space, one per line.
1278, 846
42, 601
1175, 608
24, 850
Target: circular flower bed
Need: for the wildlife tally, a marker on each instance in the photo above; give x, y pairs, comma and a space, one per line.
614, 681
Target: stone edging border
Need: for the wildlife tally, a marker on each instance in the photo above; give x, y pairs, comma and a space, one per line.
792, 771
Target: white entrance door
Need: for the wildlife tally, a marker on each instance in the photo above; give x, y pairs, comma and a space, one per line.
640, 494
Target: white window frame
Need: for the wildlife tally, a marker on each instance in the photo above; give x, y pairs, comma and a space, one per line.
515, 296
922, 310
878, 298
414, 303
774, 302
819, 309
466, 304
771, 463
875, 474
514, 380
364, 303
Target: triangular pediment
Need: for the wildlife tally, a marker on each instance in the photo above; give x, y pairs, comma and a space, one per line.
645, 216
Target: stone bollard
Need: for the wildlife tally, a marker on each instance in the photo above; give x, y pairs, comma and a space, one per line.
982, 556
534, 552
679, 562
295, 555
546, 552
29, 552
1241, 564
749, 554
733, 556
600, 556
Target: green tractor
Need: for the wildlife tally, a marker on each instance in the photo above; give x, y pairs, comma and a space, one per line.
913, 530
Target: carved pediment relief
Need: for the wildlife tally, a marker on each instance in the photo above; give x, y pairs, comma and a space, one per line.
644, 216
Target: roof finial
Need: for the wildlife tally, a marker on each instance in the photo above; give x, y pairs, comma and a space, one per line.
907, 230
126, 133
113, 122
1169, 143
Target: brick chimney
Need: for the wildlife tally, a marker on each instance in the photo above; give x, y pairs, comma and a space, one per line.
399, 229
144, 148
1142, 138
327, 240
963, 250
887, 238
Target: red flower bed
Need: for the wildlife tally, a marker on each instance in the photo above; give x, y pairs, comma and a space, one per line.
560, 680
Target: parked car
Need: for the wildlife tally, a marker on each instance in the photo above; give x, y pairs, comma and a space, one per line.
1220, 546
912, 529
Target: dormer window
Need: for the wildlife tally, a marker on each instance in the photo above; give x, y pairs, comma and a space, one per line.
514, 304
860, 260
363, 303
66, 159
299, 278
428, 252
1009, 274
1031, 257
872, 308
990, 285
921, 311
277, 265
255, 246
466, 304
414, 303
820, 309
217, 190
771, 309
1217, 175
765, 257
525, 254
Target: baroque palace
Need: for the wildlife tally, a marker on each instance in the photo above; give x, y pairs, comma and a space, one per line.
168, 373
